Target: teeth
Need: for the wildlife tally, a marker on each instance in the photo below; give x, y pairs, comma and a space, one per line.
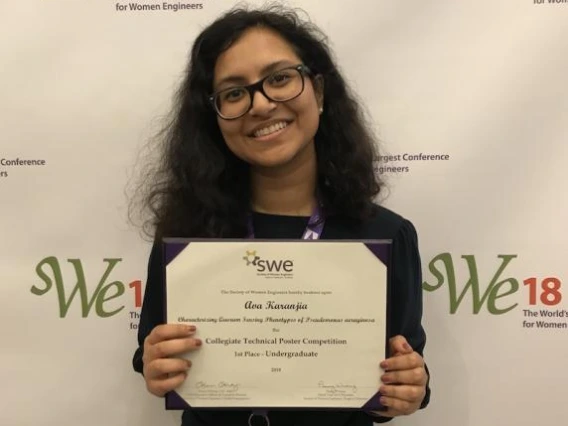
270, 129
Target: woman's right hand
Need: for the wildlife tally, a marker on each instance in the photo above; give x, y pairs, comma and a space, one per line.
164, 372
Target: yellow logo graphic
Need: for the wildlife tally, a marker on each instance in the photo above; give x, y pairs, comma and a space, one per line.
251, 258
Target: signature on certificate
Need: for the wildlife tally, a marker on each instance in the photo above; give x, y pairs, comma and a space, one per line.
338, 388
220, 386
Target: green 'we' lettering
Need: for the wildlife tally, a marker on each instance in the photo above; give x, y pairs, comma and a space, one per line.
49, 270
442, 268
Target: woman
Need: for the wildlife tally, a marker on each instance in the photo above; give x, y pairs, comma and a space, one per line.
265, 133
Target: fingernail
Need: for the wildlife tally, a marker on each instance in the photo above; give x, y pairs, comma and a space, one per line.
188, 363
386, 378
192, 328
198, 342
384, 364
407, 347
383, 390
384, 401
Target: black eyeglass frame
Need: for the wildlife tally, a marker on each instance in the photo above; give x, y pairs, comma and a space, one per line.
259, 87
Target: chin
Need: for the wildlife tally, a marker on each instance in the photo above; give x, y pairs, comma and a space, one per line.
271, 161
278, 154
291, 155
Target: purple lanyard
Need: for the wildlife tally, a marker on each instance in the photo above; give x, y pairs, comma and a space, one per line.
313, 229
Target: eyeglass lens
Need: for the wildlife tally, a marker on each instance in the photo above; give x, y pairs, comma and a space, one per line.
280, 86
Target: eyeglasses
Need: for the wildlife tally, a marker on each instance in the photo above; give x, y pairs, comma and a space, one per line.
280, 86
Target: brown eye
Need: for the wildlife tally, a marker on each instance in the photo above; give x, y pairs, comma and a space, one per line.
279, 78
233, 95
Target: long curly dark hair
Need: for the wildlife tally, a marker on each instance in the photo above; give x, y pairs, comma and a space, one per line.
200, 188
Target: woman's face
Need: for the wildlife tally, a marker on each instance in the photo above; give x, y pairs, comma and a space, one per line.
271, 134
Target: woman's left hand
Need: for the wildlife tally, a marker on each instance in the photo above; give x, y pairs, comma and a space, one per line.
404, 380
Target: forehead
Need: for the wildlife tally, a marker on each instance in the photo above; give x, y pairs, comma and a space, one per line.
253, 51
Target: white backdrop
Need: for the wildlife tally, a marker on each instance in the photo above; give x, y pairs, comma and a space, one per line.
83, 88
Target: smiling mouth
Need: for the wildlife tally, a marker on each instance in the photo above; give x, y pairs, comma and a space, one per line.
268, 130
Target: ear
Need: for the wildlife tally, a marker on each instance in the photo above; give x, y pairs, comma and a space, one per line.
319, 89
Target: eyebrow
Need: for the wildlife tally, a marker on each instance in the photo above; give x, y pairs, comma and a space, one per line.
239, 79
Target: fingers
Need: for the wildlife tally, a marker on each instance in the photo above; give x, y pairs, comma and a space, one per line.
416, 376
163, 372
167, 340
403, 362
169, 331
400, 400
406, 393
162, 386
170, 348
398, 407
164, 367
404, 380
399, 345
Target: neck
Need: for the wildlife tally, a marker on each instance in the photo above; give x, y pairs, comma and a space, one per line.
286, 190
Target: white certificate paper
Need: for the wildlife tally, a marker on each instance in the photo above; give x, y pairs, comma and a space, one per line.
284, 324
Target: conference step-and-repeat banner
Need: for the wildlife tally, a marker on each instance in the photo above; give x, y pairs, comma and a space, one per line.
470, 103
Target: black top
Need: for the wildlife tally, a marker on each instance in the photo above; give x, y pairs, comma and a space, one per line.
405, 301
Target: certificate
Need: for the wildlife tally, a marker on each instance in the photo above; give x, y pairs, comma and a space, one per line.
284, 324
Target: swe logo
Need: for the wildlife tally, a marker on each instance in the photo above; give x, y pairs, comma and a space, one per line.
268, 266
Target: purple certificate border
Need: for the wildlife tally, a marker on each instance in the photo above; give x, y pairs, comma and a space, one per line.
381, 249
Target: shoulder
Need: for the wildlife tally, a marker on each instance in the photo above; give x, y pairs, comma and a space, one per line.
382, 223
385, 223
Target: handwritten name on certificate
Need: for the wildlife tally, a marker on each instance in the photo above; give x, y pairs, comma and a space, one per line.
283, 323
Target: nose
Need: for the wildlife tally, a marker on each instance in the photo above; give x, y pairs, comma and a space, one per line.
261, 104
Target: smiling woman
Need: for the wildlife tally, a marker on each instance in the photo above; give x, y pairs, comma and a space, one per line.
279, 111
261, 96
267, 141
